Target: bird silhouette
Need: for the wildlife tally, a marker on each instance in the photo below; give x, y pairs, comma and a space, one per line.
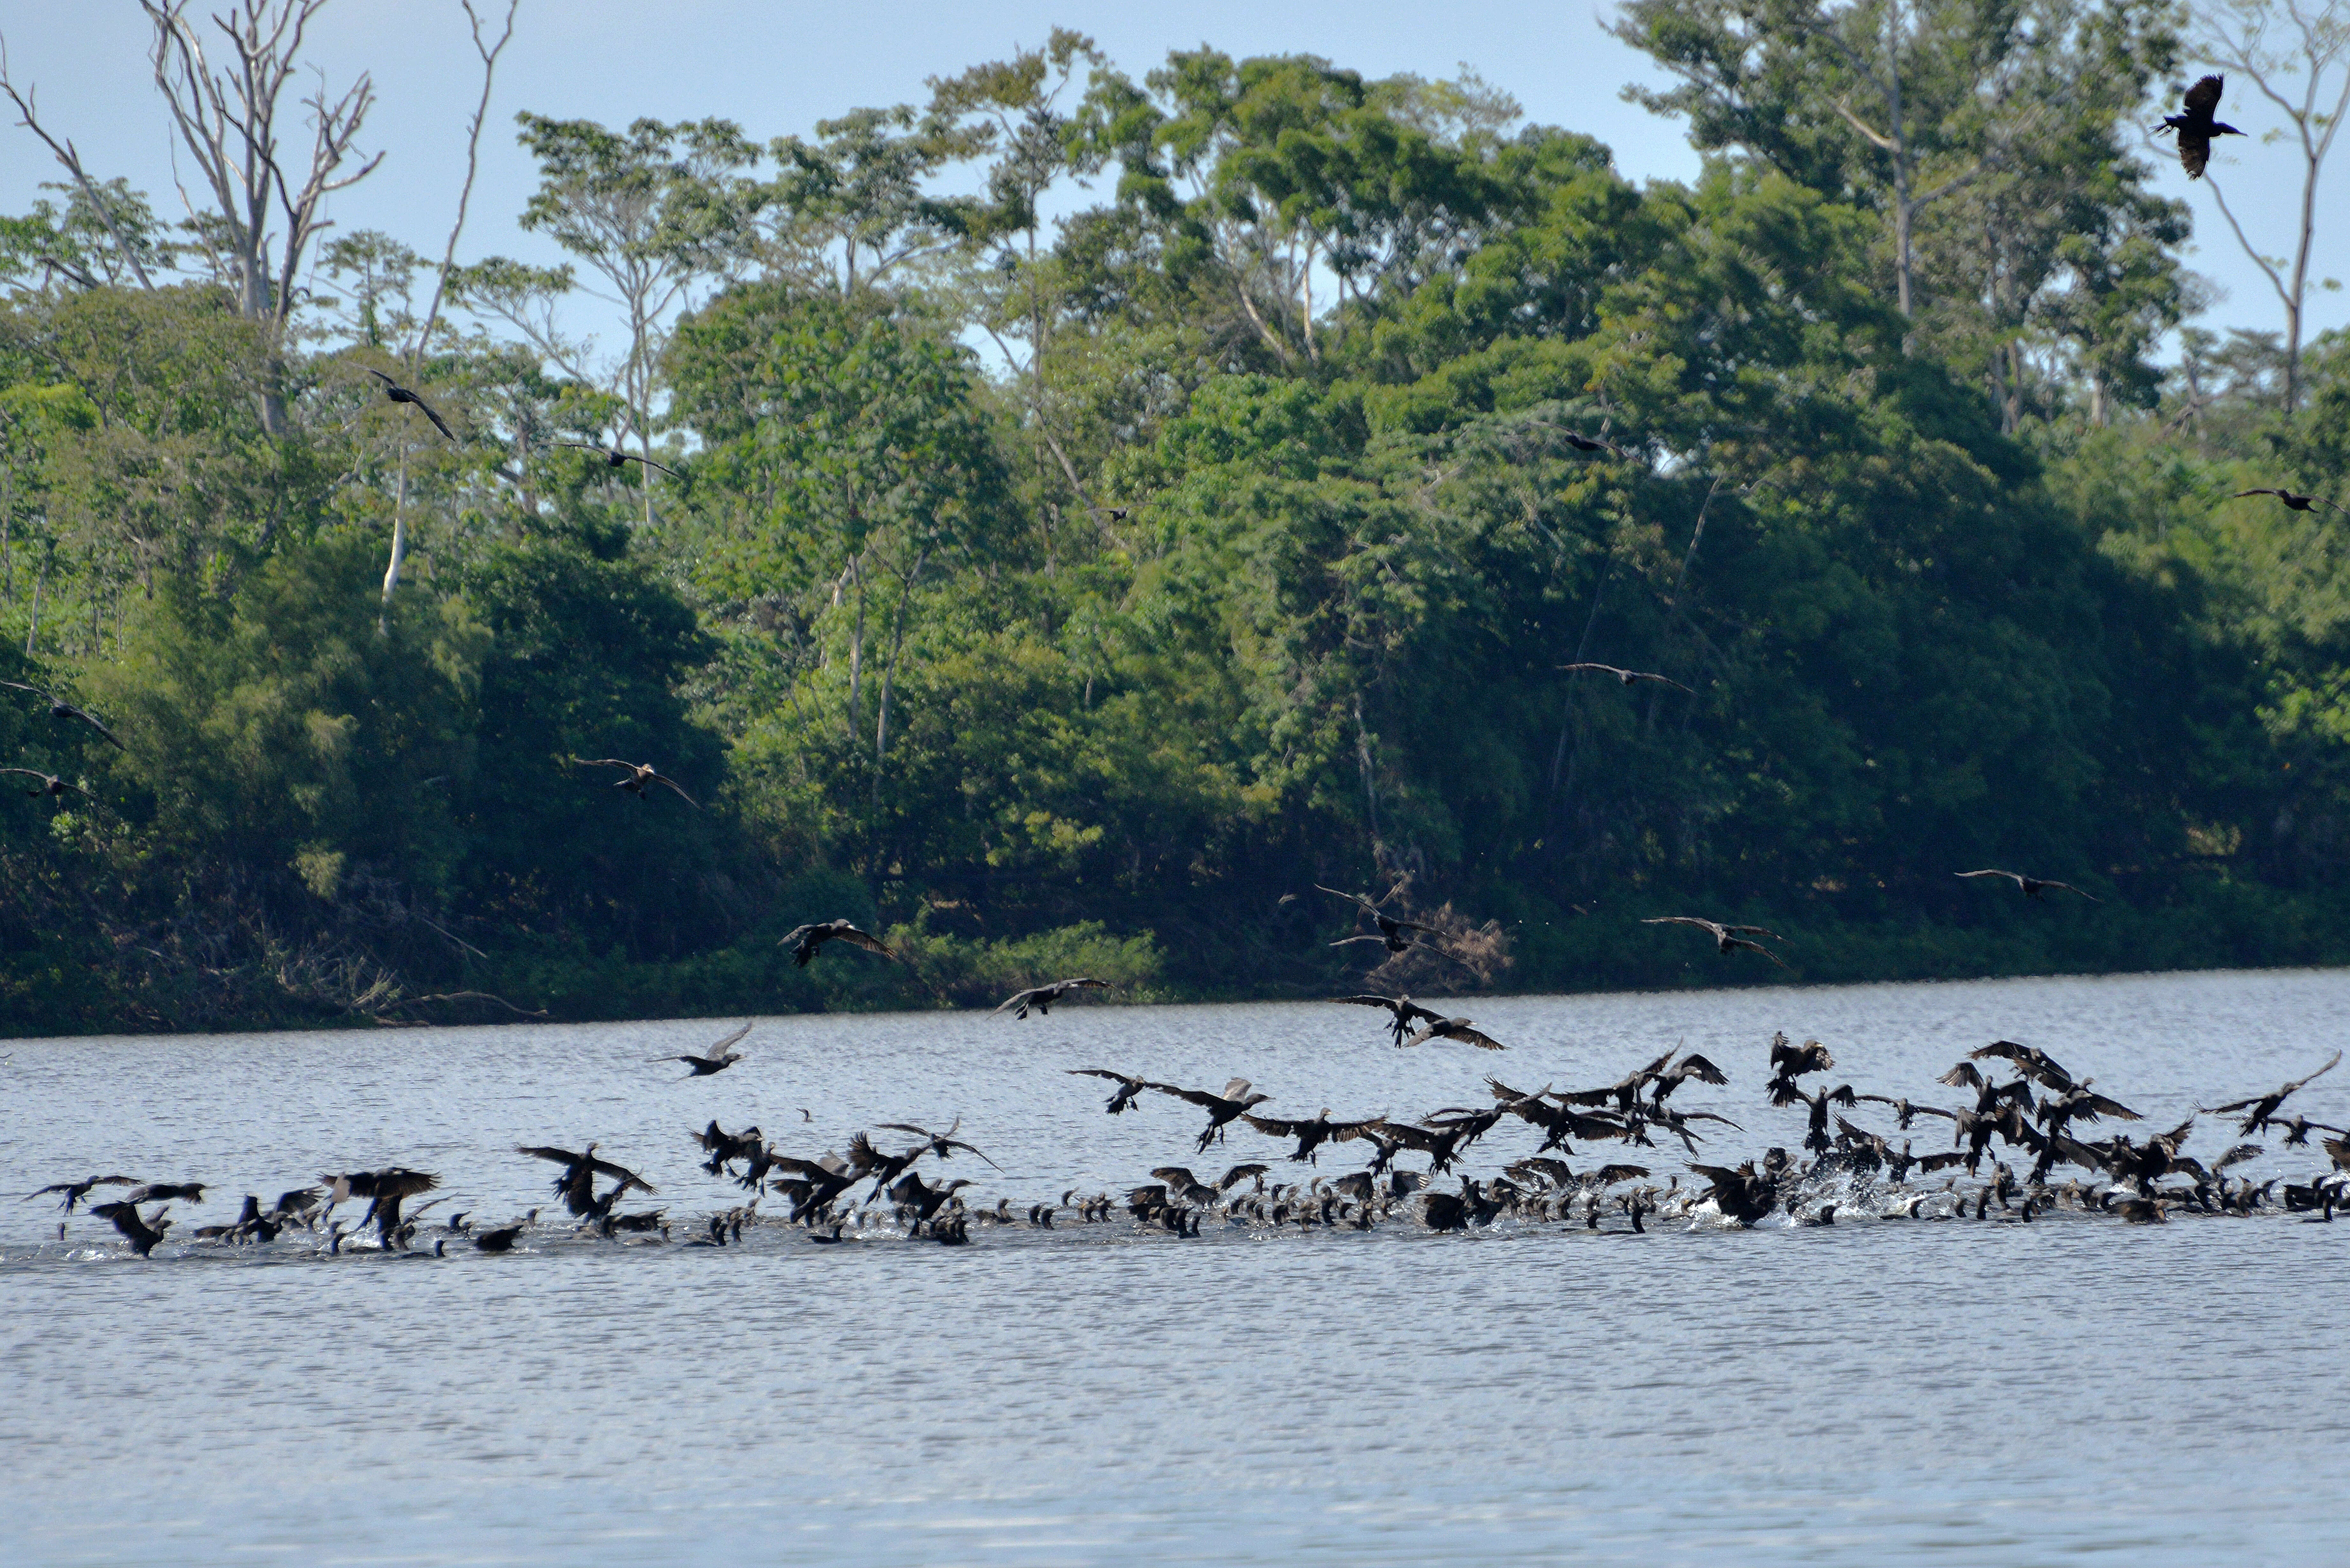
400, 394
51, 785
805, 940
637, 777
614, 457
1726, 938
61, 709
716, 1059
2293, 501
2033, 885
1630, 676
2196, 128
1042, 997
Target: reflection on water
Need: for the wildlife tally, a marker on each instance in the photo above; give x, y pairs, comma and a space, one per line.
1987, 1392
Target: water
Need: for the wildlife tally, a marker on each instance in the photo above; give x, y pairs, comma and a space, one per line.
1977, 1393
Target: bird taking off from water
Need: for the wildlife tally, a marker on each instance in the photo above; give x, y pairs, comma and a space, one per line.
2033, 885
1403, 1012
2196, 128
400, 394
2260, 1108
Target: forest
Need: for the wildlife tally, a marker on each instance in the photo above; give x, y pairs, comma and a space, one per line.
1091, 506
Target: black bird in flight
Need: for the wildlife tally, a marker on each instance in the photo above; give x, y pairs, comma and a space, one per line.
1391, 930
2033, 885
2196, 128
637, 777
1404, 1014
1457, 1029
2293, 501
1584, 443
2259, 1108
717, 1059
1129, 1089
614, 457
1726, 938
1629, 677
400, 394
61, 709
50, 785
1042, 997
1237, 1100
76, 1191
803, 941
576, 1185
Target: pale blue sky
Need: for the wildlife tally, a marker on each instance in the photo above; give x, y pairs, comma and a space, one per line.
778, 68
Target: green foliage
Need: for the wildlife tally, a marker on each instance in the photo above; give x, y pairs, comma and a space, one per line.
1245, 559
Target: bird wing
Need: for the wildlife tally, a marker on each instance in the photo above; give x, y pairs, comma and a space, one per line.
1197, 1097
1684, 920
2010, 876
602, 763
1477, 1038
2203, 98
1350, 898
1965, 1073
1346, 1132
438, 422
1274, 1125
857, 938
1756, 930
712, 1054
1034, 991
1105, 1072
1176, 1176
622, 1174
1389, 1003
2329, 1066
1696, 1066
663, 779
648, 463
1607, 669
2099, 1105
1236, 1175
1350, 942
560, 1155
1661, 680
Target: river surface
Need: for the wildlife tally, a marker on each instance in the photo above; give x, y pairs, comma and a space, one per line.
1967, 1392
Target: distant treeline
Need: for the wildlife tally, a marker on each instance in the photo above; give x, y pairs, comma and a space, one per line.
1072, 596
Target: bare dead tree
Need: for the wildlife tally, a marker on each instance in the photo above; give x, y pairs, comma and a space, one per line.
67, 155
489, 53
227, 118
2235, 34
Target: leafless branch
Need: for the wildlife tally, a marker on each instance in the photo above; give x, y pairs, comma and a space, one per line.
69, 156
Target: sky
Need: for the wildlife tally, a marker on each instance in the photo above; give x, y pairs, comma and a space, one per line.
777, 68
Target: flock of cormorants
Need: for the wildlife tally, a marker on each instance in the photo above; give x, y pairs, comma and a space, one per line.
2028, 1111
2037, 1112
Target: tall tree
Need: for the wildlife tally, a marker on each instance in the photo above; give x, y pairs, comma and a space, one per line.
654, 212
2289, 51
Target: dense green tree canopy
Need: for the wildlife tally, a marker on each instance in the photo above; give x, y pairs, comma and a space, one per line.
1079, 591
